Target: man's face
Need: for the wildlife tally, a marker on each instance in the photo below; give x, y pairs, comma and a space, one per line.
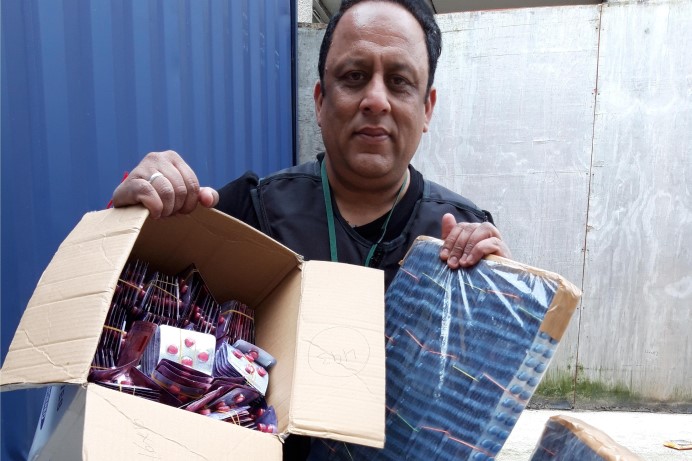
373, 108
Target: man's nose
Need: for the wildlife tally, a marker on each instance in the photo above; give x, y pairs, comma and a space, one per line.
376, 96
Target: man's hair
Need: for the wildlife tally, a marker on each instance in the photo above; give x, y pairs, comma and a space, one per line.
418, 8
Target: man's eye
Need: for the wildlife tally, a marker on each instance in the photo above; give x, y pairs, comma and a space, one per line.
355, 76
398, 81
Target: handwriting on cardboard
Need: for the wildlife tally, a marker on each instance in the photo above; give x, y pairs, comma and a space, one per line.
329, 358
146, 450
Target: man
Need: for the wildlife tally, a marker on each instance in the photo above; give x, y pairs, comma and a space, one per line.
361, 202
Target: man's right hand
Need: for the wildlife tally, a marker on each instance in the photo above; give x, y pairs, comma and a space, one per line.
165, 185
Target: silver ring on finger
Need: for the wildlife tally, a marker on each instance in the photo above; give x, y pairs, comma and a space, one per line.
154, 177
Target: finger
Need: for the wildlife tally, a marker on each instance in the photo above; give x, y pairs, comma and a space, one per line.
208, 197
480, 233
163, 187
135, 186
448, 223
489, 246
192, 189
133, 191
178, 189
466, 230
450, 238
153, 203
174, 197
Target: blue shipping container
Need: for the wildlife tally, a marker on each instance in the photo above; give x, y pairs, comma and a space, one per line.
90, 86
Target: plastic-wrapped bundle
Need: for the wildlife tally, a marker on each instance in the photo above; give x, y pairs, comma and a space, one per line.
465, 351
569, 439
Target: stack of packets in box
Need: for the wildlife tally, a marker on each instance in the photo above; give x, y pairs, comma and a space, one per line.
465, 351
569, 439
167, 339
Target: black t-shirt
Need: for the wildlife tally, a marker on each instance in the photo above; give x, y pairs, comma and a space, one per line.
235, 200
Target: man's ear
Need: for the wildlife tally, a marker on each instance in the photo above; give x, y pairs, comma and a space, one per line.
318, 96
429, 107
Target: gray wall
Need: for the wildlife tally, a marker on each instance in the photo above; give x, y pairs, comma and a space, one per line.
304, 10
573, 125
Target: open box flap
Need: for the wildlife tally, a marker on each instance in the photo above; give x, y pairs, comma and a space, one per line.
57, 335
59, 331
210, 239
340, 358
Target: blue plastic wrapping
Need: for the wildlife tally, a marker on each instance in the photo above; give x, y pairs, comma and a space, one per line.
465, 351
569, 439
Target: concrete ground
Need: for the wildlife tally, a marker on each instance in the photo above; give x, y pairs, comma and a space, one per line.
641, 433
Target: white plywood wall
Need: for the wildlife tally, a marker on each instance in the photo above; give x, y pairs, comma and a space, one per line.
593, 186
637, 311
513, 131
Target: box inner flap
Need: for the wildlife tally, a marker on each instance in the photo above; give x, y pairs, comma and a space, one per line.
211, 240
57, 335
275, 321
340, 355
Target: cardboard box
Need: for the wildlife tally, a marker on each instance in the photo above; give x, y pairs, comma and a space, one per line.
570, 439
323, 321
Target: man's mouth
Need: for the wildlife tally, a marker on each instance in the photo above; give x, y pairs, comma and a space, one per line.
372, 134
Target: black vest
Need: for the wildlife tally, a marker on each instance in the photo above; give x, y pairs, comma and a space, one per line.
290, 208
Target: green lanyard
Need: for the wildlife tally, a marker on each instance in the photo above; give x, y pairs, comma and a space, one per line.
330, 217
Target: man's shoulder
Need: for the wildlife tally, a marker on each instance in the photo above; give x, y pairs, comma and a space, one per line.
437, 193
307, 169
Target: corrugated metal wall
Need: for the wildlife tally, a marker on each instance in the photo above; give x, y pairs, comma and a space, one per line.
90, 86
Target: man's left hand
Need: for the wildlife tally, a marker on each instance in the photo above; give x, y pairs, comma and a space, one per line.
467, 243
